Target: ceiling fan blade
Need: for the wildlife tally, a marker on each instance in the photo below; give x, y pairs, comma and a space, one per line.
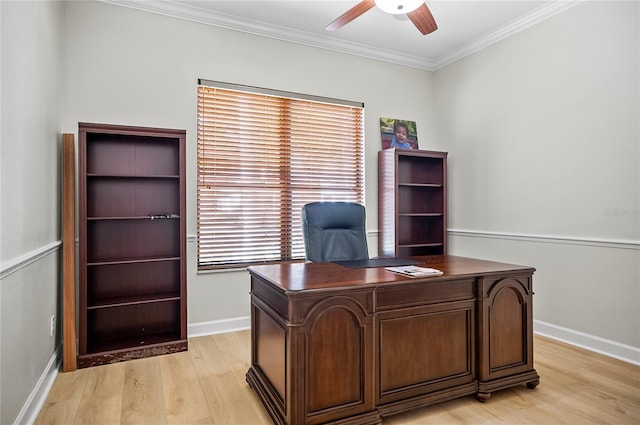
351, 14
423, 19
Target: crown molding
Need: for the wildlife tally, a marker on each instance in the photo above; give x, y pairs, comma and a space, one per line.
195, 14
536, 16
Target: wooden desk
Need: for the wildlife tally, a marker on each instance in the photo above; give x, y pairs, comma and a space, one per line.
349, 346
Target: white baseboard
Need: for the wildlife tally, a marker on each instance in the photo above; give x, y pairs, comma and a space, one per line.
596, 344
29, 412
219, 326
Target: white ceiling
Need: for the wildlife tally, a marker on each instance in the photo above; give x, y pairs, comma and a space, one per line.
463, 26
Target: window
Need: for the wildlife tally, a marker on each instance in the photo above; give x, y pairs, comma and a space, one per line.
262, 155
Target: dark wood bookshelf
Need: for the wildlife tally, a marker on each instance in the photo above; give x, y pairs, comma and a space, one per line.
412, 197
132, 268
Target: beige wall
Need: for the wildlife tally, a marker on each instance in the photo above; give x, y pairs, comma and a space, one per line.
30, 160
543, 135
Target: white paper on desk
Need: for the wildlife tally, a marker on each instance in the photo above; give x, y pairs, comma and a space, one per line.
415, 271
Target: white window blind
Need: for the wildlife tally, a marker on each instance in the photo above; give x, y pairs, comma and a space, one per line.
261, 157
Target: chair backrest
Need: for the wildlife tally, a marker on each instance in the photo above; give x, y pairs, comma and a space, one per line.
334, 231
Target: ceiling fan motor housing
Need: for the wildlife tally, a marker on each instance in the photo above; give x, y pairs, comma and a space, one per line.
397, 7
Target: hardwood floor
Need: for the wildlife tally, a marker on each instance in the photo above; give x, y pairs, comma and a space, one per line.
206, 385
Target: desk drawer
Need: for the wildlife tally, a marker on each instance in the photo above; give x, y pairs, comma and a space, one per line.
424, 293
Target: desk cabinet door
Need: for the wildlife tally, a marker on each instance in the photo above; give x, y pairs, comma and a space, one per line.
336, 343
505, 324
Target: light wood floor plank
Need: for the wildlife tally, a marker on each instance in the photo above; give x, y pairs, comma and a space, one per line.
230, 399
63, 399
206, 386
101, 402
142, 403
184, 398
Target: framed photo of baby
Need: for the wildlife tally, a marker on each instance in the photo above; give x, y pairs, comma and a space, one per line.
400, 134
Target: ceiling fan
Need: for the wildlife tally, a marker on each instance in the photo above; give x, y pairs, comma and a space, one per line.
416, 10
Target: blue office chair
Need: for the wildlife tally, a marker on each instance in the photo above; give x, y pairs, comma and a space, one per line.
334, 231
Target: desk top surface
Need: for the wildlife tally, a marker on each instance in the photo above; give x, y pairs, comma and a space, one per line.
292, 277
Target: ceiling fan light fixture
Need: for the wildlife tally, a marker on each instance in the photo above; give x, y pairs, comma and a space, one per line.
397, 7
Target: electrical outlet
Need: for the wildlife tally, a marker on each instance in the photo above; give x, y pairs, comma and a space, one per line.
53, 325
